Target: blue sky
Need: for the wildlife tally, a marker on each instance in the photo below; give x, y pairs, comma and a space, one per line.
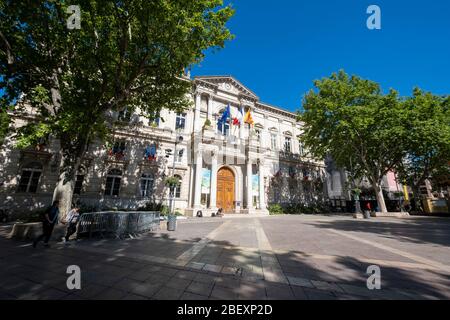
282, 46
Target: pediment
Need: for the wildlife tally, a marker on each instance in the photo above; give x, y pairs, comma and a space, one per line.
229, 84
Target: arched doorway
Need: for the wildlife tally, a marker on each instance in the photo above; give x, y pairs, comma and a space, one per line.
225, 190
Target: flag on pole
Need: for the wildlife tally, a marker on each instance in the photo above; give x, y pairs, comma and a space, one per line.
248, 118
239, 119
226, 114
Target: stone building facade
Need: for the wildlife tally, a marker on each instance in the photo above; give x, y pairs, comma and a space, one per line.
241, 169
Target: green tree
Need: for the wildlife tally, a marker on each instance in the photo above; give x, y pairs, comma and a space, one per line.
128, 53
4, 125
428, 141
349, 119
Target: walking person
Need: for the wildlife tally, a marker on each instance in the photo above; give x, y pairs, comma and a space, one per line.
72, 220
49, 220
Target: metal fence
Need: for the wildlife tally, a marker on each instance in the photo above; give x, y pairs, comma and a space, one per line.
117, 224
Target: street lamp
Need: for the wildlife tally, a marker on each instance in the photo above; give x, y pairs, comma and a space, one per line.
355, 191
178, 140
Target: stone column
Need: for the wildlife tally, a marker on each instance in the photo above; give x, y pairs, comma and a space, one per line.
210, 107
197, 124
249, 185
213, 195
262, 196
198, 180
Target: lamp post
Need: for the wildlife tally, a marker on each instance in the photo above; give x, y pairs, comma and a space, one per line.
178, 140
355, 191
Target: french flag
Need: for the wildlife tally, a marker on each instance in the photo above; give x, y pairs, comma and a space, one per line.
239, 118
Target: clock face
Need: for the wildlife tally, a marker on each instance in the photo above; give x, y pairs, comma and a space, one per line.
228, 86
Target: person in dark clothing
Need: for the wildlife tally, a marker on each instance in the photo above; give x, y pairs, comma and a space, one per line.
48, 223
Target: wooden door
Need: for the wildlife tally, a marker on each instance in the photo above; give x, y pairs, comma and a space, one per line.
225, 190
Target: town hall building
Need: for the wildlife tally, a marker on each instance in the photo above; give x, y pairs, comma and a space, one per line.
238, 167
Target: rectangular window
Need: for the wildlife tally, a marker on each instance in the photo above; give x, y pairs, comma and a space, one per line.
180, 123
112, 186
29, 181
273, 141
78, 184
125, 115
146, 187
118, 150
258, 135
287, 144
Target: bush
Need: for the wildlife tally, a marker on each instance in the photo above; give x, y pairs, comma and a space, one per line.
33, 216
207, 123
165, 211
275, 209
297, 208
151, 206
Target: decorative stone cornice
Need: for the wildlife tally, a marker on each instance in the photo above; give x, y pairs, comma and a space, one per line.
205, 85
216, 80
276, 111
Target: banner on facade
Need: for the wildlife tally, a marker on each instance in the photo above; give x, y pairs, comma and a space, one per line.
255, 184
206, 181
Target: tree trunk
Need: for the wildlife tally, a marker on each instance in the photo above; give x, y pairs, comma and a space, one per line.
417, 199
64, 193
71, 152
380, 197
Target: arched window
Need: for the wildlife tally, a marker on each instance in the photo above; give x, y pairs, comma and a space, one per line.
177, 190
147, 184
29, 179
113, 180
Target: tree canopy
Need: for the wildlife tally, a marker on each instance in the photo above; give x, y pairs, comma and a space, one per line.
362, 129
4, 125
428, 141
125, 54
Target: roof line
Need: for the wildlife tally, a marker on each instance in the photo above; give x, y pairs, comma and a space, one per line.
260, 102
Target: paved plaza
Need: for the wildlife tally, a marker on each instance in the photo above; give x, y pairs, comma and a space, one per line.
267, 258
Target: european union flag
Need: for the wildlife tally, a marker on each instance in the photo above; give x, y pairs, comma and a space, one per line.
226, 114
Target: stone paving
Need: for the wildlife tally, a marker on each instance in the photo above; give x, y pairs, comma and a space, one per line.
263, 258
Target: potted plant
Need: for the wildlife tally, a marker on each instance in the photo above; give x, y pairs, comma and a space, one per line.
171, 182
154, 125
207, 124
356, 192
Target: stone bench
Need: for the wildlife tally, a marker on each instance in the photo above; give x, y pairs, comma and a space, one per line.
390, 214
383, 214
